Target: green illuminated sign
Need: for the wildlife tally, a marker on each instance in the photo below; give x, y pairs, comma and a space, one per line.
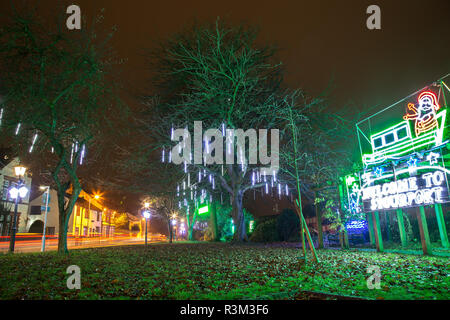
204, 209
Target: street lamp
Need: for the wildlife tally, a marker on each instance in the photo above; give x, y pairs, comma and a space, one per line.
146, 215
20, 191
47, 190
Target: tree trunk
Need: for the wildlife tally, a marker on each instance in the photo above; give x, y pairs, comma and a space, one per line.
191, 225
64, 215
170, 231
214, 227
240, 233
62, 237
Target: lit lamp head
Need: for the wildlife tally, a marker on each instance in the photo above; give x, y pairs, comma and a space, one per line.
146, 214
18, 192
146, 205
20, 171
96, 197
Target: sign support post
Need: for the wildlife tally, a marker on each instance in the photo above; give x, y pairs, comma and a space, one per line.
378, 237
441, 225
401, 227
370, 226
423, 227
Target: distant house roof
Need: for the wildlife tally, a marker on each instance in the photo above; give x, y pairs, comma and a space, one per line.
132, 217
85, 204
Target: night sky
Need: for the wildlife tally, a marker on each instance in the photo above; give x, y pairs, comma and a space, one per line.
320, 42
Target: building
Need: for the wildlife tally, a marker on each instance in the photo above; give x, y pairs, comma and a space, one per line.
36, 213
8, 180
87, 217
108, 227
91, 219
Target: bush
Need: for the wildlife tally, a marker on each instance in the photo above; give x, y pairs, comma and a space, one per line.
288, 226
265, 230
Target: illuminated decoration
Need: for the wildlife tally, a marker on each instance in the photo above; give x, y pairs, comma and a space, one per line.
366, 177
433, 157
428, 188
378, 172
405, 166
398, 141
1, 116
425, 113
83, 153
18, 128
412, 162
356, 225
355, 188
33, 142
349, 180
203, 210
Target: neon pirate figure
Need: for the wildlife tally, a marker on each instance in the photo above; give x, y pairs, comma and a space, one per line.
425, 113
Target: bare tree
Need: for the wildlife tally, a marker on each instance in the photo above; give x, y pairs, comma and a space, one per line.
220, 76
57, 97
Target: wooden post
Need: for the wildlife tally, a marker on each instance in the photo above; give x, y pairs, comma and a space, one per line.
401, 227
423, 228
377, 231
319, 224
308, 236
441, 225
371, 231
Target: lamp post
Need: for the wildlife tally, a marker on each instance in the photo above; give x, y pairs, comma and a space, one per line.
47, 190
146, 214
16, 192
173, 227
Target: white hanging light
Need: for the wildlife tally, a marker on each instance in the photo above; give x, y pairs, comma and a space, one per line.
83, 153
33, 142
71, 153
18, 128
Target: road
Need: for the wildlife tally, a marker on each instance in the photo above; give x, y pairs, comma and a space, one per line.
27, 243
